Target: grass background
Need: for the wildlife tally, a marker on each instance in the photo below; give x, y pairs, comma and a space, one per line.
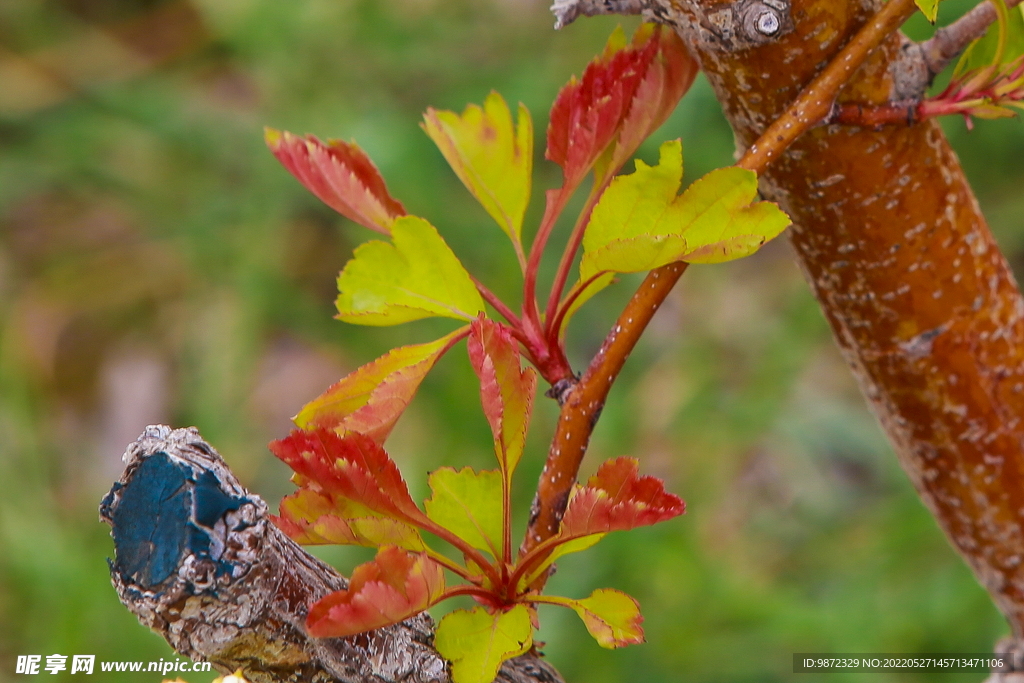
158, 265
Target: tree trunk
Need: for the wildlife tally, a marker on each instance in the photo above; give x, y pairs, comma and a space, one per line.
888, 232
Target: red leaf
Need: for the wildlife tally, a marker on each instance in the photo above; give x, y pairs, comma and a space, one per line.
506, 389
353, 466
341, 175
616, 499
626, 92
314, 518
394, 586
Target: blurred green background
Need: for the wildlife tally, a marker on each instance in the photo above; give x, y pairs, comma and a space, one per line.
158, 266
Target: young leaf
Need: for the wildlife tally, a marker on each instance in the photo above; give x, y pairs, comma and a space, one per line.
492, 157
371, 399
476, 643
506, 389
640, 224
468, 504
394, 586
353, 467
340, 175
416, 277
611, 616
666, 79
627, 90
930, 9
313, 518
617, 499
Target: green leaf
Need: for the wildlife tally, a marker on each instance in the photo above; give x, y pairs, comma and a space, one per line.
468, 503
611, 616
476, 643
640, 224
371, 399
492, 157
417, 276
930, 8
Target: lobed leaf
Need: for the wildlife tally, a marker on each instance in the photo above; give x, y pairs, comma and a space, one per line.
353, 467
623, 96
394, 586
476, 642
612, 617
371, 399
314, 518
640, 224
506, 389
616, 498
492, 157
340, 175
417, 276
468, 504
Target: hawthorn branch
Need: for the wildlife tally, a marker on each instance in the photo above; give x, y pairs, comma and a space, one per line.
583, 401
198, 560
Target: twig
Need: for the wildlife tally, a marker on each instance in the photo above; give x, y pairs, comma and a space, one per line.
815, 101
949, 41
583, 401
567, 11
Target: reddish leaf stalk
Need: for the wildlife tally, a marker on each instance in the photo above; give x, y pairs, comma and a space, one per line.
565, 265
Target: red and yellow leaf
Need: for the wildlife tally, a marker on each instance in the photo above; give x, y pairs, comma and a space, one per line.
624, 95
611, 616
371, 399
617, 499
394, 586
477, 642
314, 518
506, 389
340, 175
492, 157
353, 467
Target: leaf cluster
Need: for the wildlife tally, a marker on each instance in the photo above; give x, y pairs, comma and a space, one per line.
349, 489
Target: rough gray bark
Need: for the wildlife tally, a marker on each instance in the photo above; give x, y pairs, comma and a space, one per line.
198, 561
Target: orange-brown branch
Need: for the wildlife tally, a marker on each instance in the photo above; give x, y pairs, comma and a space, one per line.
919, 297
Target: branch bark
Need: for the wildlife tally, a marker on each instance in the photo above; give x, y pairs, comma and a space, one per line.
198, 561
920, 300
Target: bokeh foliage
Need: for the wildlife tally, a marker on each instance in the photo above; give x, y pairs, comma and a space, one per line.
157, 265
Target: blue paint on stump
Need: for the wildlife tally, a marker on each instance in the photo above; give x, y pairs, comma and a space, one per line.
164, 512
150, 522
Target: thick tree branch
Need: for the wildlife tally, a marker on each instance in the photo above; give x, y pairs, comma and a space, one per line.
198, 560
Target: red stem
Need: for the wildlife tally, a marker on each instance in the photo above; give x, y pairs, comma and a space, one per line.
569, 254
